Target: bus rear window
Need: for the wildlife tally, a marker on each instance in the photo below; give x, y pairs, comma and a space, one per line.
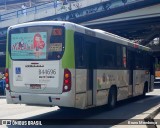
37, 43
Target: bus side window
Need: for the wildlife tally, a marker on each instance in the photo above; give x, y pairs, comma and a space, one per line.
79, 51
119, 56
151, 64
99, 55
109, 54
124, 57
130, 59
139, 60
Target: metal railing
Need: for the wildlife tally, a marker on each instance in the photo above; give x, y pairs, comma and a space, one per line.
33, 10
20, 12
66, 8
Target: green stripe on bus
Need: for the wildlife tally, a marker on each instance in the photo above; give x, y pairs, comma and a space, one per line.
68, 60
8, 59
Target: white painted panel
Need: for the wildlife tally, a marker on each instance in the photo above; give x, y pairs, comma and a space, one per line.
102, 97
122, 93
139, 78
81, 101
49, 82
81, 80
120, 78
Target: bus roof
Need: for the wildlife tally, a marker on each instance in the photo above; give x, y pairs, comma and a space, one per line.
82, 29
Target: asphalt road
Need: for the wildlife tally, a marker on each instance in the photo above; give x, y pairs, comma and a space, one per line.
95, 116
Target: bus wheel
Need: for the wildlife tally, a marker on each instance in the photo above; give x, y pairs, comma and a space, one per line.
112, 98
144, 90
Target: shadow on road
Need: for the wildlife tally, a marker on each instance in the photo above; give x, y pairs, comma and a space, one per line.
125, 110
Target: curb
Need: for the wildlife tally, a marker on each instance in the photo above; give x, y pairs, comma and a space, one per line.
2, 97
150, 118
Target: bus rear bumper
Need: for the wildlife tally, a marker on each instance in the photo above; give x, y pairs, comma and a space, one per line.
65, 99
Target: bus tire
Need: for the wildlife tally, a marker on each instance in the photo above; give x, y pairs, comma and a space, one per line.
112, 98
145, 90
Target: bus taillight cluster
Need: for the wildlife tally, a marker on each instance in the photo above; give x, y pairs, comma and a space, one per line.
7, 78
67, 81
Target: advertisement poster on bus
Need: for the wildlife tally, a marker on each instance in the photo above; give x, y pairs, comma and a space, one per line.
29, 45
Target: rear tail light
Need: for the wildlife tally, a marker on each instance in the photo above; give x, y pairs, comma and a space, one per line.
7, 79
67, 81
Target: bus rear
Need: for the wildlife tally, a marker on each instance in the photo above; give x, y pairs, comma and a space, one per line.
34, 73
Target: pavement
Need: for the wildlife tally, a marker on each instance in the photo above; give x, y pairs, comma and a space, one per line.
151, 118
147, 119
2, 97
157, 119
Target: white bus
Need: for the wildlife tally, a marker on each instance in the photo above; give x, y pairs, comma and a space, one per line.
63, 64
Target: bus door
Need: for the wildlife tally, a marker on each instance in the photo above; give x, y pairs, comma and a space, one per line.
131, 63
91, 58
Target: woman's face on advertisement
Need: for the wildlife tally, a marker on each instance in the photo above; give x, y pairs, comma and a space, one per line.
38, 39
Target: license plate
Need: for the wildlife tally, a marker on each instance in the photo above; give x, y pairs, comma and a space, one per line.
35, 86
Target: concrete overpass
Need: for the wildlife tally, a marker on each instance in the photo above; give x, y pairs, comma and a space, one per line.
143, 23
133, 19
